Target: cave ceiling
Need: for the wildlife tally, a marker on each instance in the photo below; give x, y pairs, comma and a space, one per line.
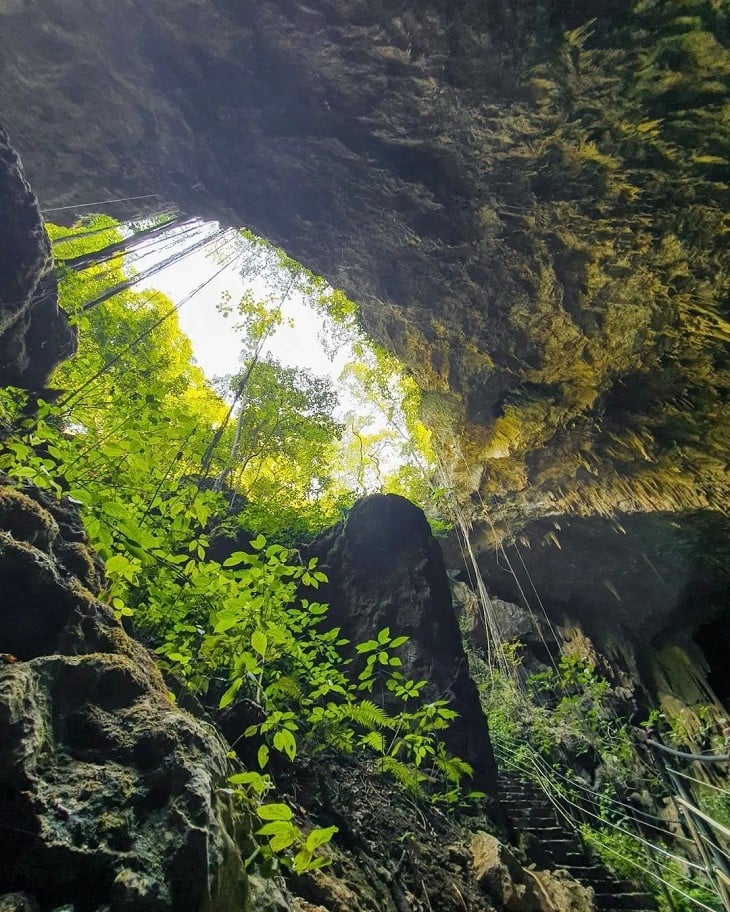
528, 200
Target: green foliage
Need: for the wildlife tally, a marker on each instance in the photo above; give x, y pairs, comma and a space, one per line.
384, 444
544, 725
621, 852
147, 450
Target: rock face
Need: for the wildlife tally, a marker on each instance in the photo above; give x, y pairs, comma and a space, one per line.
34, 332
385, 569
637, 585
108, 791
532, 220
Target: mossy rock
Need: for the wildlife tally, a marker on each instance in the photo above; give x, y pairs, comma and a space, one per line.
26, 520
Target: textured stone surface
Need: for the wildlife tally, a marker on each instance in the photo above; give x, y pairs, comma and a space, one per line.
638, 576
34, 332
108, 791
516, 889
385, 569
390, 855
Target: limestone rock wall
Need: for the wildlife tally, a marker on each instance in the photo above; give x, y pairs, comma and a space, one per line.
534, 220
34, 332
110, 794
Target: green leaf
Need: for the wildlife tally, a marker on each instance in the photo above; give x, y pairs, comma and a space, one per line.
320, 837
285, 742
230, 695
276, 826
227, 621
398, 641
263, 756
369, 646
259, 642
384, 636
274, 812
116, 510
238, 557
282, 841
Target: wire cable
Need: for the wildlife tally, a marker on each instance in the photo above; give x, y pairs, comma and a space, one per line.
121, 199
188, 297
571, 820
717, 788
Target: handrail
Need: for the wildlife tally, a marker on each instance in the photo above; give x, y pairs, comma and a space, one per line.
704, 758
543, 777
698, 813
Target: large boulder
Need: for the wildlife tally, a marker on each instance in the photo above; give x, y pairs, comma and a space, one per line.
110, 794
385, 569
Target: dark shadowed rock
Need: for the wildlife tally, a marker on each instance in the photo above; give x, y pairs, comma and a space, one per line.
34, 332
109, 792
385, 569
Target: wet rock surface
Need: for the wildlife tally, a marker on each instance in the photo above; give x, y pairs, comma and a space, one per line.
385, 569
641, 579
34, 332
108, 791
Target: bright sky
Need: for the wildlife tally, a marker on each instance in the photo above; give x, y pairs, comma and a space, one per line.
296, 343
216, 345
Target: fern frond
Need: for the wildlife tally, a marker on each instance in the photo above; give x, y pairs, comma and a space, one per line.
407, 776
375, 741
285, 686
369, 715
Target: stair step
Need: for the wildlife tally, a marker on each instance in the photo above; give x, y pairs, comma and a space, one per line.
523, 805
530, 820
609, 902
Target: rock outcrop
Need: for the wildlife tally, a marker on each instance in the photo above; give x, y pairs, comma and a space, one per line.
35, 335
443, 861
110, 793
385, 569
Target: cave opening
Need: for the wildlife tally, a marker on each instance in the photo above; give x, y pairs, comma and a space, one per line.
714, 641
284, 350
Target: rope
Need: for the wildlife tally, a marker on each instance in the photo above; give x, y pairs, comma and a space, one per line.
548, 771
631, 861
545, 784
153, 270
713, 845
622, 804
547, 790
613, 825
124, 226
130, 347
